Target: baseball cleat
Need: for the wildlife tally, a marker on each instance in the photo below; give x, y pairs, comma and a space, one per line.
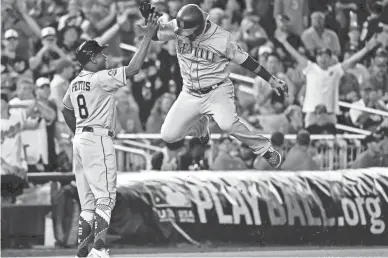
205, 139
273, 157
103, 253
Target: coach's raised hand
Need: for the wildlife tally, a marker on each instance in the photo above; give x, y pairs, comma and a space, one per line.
152, 25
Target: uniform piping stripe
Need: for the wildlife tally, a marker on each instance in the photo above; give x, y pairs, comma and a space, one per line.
199, 84
106, 169
69, 108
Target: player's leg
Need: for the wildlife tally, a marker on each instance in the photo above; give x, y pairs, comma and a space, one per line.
182, 119
220, 105
86, 218
99, 160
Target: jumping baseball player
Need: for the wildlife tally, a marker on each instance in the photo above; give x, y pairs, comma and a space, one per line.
89, 111
204, 52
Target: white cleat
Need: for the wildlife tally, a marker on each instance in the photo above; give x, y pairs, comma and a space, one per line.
103, 253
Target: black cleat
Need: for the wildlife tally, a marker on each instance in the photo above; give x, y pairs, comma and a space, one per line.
273, 158
205, 139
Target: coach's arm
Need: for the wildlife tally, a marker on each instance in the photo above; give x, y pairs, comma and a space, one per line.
138, 59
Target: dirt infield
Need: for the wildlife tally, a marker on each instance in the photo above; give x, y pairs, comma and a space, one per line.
190, 251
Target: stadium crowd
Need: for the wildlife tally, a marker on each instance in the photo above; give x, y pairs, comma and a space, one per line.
326, 50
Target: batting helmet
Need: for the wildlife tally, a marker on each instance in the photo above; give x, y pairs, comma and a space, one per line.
190, 20
87, 50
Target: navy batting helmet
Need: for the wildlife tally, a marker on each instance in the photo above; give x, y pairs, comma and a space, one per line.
87, 50
190, 20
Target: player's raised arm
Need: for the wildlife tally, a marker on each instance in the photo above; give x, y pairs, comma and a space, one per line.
138, 59
235, 53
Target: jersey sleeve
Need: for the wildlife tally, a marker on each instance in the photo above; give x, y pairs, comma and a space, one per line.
234, 51
113, 79
166, 31
67, 101
310, 66
337, 68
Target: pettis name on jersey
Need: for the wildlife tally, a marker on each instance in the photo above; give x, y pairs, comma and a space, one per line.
80, 85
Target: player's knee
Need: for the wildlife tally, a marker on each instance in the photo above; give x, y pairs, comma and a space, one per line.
226, 126
108, 202
167, 135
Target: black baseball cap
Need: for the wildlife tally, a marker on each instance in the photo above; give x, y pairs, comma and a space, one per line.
87, 50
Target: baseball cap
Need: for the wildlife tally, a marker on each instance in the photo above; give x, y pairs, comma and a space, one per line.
86, 50
48, 31
42, 81
11, 33
321, 51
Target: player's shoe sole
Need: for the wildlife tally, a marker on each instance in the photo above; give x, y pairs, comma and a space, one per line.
273, 157
99, 254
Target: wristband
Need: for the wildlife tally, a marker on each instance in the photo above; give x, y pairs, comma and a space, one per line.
263, 73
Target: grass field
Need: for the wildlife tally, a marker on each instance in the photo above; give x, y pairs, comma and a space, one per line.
215, 252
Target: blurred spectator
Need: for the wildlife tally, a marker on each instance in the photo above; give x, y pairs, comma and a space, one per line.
322, 78
43, 64
354, 42
128, 120
224, 160
11, 63
101, 16
283, 24
264, 10
277, 140
371, 25
13, 159
217, 15
74, 16
298, 157
13, 18
35, 139
246, 154
318, 37
357, 69
162, 7
289, 122
379, 72
159, 112
171, 158
269, 102
376, 154
251, 33
64, 72
297, 10
169, 70
323, 124
174, 6
43, 92
369, 98
194, 158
